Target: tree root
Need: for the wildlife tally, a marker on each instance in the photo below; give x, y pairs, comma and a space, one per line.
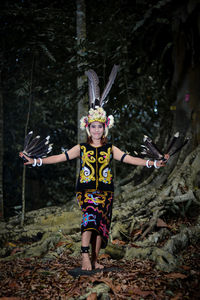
141, 206
181, 240
165, 257
152, 223
38, 237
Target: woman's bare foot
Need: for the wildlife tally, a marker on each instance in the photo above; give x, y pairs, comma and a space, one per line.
86, 263
96, 265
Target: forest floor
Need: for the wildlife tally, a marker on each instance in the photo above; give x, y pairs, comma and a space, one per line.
40, 278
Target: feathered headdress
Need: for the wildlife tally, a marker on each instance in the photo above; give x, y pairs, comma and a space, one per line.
96, 102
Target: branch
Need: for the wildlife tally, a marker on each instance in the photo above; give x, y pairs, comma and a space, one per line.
152, 222
183, 198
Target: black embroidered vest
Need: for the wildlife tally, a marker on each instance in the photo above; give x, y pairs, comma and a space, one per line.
95, 171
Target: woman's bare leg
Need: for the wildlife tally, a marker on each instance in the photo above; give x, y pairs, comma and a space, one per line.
96, 246
85, 241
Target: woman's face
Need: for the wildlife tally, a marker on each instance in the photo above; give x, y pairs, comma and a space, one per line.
96, 130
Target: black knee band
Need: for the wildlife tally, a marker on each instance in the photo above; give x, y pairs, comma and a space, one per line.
84, 249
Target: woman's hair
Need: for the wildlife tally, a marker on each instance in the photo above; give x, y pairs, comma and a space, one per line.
104, 139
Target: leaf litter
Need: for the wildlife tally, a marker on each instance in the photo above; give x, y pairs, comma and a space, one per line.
38, 278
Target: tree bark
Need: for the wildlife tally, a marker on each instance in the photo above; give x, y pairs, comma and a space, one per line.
173, 190
1, 154
81, 61
25, 133
81, 36
185, 81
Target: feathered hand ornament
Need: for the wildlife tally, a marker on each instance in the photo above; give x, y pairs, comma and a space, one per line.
36, 148
150, 150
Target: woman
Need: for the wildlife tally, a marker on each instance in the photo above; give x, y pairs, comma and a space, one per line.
95, 223
95, 189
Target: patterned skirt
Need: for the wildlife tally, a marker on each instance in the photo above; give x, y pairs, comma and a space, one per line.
96, 207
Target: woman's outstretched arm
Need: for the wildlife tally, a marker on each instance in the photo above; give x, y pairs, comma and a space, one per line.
120, 155
74, 152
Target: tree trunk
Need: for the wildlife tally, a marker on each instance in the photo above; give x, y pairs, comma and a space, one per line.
142, 211
25, 133
1, 154
81, 36
185, 83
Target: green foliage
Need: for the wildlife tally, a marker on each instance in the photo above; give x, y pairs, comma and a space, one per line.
39, 60
36, 48
129, 35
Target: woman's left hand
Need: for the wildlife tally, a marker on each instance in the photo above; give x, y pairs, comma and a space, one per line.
166, 156
162, 163
159, 163
28, 160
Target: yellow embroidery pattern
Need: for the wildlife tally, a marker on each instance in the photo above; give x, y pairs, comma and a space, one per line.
97, 181
98, 198
104, 173
87, 174
79, 198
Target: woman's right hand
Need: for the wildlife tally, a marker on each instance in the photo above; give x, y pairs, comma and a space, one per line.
29, 161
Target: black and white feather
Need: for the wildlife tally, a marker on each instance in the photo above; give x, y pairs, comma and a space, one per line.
112, 77
150, 150
34, 147
93, 83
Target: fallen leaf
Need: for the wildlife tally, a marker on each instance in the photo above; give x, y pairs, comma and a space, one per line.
13, 285
60, 244
9, 298
179, 296
104, 255
161, 223
15, 250
186, 268
92, 296
139, 292
66, 244
107, 282
123, 287
119, 287
136, 232
118, 242
176, 276
27, 273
